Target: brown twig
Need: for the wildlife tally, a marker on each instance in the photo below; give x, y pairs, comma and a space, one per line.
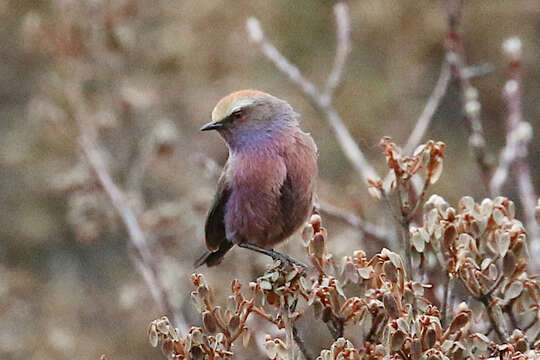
499, 326
343, 30
321, 99
144, 158
430, 108
455, 55
519, 134
144, 260
370, 230
448, 289
300, 343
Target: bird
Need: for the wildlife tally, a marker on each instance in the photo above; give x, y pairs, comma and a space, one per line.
266, 190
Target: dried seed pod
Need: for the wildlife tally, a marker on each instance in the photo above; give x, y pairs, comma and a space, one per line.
520, 247
416, 349
318, 308
522, 346
317, 246
390, 271
197, 336
375, 193
466, 203
418, 240
167, 348
450, 235
162, 325
153, 336
246, 337
513, 290
498, 216
265, 285
326, 314
209, 321
430, 337
234, 324
390, 305
435, 172
502, 240
460, 321
316, 222
509, 264
307, 233
458, 354
196, 353
397, 339
486, 207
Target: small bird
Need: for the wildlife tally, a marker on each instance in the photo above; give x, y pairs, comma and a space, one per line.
266, 190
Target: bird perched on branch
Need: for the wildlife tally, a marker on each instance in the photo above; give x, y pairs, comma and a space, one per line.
266, 190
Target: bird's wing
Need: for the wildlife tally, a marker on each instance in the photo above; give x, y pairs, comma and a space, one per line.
290, 204
287, 197
215, 222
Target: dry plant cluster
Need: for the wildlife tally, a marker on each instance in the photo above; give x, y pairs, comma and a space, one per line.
372, 306
451, 282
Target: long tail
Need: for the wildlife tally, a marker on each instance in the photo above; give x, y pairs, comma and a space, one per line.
214, 258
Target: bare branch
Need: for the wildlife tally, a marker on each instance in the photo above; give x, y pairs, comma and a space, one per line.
143, 259
369, 229
144, 158
519, 134
300, 343
321, 100
343, 31
513, 150
472, 71
430, 108
447, 297
470, 103
498, 323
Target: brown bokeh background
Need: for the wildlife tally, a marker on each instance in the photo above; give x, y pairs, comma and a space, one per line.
154, 70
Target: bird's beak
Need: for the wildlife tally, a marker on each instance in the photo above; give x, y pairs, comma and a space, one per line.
211, 126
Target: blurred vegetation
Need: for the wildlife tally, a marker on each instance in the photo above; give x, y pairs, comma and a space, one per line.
153, 71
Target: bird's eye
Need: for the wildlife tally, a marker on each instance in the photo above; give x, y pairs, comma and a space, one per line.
236, 115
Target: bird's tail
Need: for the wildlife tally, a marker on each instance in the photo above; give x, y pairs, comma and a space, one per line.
214, 258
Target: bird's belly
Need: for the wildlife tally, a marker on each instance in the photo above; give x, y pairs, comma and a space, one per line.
257, 218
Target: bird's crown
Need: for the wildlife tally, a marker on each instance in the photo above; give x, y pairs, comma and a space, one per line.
236, 101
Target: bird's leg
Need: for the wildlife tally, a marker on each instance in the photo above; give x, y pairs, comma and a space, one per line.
285, 259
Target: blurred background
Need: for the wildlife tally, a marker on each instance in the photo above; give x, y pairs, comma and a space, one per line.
150, 73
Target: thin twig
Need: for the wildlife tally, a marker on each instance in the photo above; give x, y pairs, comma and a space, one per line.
448, 289
144, 158
509, 155
519, 134
300, 343
406, 243
470, 103
343, 30
423, 122
371, 230
499, 326
144, 260
322, 100
472, 71
430, 108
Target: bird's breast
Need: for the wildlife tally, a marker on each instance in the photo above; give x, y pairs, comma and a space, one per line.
272, 191
253, 204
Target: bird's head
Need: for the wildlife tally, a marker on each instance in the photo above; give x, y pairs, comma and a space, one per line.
249, 116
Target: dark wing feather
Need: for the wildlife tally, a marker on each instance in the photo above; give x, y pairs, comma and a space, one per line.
216, 240
215, 222
214, 258
287, 203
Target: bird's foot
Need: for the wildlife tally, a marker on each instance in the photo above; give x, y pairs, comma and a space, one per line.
285, 259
